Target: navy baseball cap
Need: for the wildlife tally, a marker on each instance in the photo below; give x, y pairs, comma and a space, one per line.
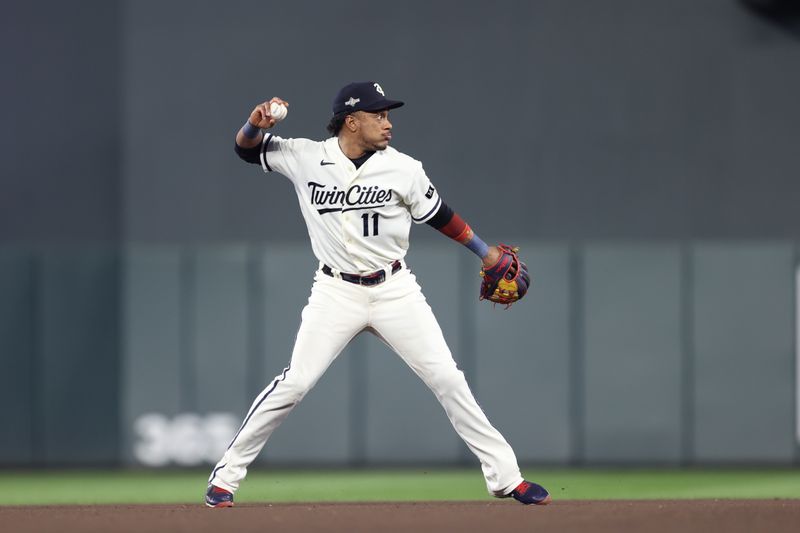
362, 96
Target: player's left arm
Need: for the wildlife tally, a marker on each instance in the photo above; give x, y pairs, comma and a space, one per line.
451, 224
427, 206
505, 277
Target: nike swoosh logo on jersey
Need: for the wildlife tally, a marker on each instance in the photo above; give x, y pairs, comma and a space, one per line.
323, 163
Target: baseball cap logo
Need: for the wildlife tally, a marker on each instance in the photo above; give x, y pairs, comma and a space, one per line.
379, 89
352, 102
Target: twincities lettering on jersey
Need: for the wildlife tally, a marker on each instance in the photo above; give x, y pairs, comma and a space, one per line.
330, 199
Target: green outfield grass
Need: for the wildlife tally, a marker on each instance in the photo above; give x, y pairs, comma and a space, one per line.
143, 486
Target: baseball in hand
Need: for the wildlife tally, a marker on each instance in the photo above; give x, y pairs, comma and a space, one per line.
278, 111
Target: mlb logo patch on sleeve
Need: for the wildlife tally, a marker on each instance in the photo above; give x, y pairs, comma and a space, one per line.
429, 194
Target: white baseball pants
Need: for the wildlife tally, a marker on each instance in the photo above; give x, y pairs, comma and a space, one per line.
397, 312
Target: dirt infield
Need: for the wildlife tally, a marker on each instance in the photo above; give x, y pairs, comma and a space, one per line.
490, 517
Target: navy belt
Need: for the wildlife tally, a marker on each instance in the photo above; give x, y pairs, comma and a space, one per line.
376, 278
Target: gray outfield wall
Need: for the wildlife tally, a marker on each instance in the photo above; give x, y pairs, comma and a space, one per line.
622, 353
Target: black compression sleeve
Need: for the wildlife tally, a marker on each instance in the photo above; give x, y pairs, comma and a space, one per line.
251, 155
442, 217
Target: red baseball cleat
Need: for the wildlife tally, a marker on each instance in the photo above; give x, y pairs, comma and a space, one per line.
217, 497
531, 493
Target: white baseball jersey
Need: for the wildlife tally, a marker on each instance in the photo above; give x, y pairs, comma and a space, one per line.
359, 222
358, 219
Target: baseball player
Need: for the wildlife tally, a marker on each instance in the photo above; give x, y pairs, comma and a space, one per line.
358, 197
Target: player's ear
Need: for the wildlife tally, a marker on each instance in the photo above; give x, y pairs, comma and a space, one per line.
351, 123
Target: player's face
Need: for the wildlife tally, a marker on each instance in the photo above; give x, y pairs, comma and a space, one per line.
375, 129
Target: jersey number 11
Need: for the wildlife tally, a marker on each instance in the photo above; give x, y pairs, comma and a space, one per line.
365, 218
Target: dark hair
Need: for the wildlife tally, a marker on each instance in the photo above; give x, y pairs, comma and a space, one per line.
336, 123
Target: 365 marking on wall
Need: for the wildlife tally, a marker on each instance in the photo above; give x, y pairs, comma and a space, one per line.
187, 439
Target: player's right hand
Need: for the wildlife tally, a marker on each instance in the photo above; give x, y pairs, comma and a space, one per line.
261, 116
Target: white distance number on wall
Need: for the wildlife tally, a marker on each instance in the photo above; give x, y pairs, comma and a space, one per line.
186, 439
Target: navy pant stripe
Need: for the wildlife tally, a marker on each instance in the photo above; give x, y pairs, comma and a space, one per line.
214, 473
255, 407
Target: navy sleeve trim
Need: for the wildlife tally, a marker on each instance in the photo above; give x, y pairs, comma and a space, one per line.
264, 152
429, 213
